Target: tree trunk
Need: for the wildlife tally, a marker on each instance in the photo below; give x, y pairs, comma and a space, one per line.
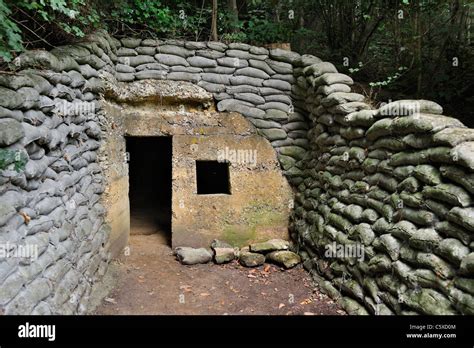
232, 5
418, 33
214, 21
234, 12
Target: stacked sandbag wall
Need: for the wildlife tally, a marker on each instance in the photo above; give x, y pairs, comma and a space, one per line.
384, 213
253, 81
53, 239
395, 186
52, 125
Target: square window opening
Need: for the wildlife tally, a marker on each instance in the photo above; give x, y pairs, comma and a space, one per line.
212, 177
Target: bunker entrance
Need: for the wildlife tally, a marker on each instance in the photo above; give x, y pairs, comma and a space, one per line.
150, 185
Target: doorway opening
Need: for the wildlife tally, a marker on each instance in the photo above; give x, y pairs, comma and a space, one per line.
149, 160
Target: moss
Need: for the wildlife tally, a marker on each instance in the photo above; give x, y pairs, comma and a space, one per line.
267, 218
256, 216
16, 158
238, 236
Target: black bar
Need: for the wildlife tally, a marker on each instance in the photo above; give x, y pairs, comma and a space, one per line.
248, 330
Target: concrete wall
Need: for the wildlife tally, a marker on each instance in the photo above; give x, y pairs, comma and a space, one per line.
249, 214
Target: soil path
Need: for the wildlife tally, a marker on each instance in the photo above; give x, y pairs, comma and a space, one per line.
151, 281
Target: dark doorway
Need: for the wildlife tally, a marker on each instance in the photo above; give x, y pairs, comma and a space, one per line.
150, 185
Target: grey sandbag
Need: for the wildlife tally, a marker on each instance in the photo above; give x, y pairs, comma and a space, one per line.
391, 245
453, 136
451, 230
448, 193
428, 174
426, 239
380, 264
428, 301
459, 176
436, 264
408, 107
403, 229
364, 232
423, 123
467, 265
463, 217
452, 250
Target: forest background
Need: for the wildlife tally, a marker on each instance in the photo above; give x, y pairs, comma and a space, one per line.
394, 49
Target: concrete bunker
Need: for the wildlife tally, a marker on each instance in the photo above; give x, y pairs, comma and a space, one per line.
176, 166
345, 194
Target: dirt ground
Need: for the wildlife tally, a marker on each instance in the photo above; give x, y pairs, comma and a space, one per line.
151, 281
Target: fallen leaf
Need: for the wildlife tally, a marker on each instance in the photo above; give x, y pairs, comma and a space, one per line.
308, 313
110, 300
185, 288
267, 268
204, 294
281, 305
25, 217
251, 276
307, 301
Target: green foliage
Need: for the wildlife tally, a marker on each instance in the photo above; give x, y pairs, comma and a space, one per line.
421, 37
151, 14
390, 79
10, 34
231, 29
178, 19
234, 37
357, 69
261, 31
13, 159
72, 16
48, 9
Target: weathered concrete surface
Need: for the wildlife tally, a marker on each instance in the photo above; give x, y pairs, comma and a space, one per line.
258, 207
164, 92
118, 213
146, 121
115, 170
